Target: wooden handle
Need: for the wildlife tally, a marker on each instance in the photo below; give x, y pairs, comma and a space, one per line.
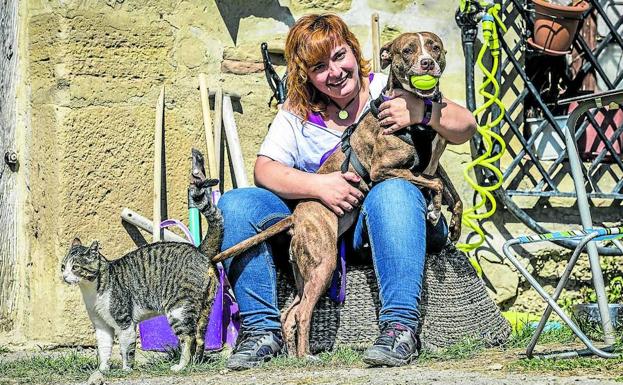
233, 143
143, 223
218, 129
158, 135
376, 43
207, 125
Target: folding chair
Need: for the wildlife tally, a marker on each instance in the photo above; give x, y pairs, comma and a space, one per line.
584, 237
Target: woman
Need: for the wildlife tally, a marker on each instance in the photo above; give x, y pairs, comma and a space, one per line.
329, 88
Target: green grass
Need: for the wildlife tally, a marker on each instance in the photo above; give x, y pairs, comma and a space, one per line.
521, 338
71, 366
77, 366
74, 366
462, 350
4, 349
339, 358
562, 336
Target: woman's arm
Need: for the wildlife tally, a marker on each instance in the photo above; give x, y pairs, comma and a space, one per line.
450, 120
334, 190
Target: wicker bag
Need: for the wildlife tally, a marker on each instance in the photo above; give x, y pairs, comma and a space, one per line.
455, 305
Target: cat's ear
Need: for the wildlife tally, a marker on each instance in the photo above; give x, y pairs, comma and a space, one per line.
76, 242
94, 248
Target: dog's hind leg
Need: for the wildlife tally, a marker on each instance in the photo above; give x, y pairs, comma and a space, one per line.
288, 325
434, 184
452, 198
314, 249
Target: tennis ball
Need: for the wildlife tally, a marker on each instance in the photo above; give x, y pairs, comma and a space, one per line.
423, 82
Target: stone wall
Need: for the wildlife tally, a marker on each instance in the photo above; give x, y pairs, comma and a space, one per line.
90, 76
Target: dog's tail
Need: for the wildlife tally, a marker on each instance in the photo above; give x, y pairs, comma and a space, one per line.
243, 246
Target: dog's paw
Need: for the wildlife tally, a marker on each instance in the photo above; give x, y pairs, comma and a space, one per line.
312, 358
433, 216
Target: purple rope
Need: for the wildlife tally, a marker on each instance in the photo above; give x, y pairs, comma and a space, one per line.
174, 222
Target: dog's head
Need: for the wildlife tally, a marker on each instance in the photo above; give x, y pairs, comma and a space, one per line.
415, 54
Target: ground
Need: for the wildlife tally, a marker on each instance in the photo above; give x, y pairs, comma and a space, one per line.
465, 363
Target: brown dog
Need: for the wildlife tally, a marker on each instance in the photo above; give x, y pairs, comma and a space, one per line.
315, 228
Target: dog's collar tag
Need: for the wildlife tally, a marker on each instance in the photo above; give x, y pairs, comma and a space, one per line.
343, 114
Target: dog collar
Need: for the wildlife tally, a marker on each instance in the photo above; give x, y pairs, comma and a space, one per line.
428, 112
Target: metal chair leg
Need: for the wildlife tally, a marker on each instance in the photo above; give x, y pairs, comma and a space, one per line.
561, 285
552, 303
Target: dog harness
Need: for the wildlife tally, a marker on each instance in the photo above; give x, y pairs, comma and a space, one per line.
418, 135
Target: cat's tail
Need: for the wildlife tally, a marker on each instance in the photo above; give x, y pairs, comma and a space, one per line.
211, 243
243, 246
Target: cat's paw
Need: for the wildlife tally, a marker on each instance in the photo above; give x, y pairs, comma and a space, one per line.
177, 367
96, 378
104, 367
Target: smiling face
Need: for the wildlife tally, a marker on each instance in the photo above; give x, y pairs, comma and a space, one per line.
337, 75
81, 263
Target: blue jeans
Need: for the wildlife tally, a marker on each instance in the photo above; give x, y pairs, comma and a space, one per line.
392, 221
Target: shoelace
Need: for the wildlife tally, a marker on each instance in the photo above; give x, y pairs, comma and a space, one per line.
390, 333
248, 341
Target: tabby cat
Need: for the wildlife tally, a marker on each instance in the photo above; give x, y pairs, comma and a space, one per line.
170, 278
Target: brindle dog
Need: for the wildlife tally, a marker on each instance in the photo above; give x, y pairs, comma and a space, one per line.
315, 228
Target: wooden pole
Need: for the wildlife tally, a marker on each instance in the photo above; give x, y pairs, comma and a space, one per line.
376, 43
207, 125
218, 130
141, 222
158, 138
233, 143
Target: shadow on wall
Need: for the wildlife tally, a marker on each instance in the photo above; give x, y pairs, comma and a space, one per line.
234, 10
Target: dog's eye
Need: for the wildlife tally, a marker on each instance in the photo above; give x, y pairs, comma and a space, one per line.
436, 48
407, 51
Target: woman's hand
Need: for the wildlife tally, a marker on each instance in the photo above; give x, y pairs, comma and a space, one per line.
337, 193
402, 110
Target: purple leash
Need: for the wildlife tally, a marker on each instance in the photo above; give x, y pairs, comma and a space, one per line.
174, 222
339, 276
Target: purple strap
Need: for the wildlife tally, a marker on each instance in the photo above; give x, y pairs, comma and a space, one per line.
339, 276
174, 222
428, 112
328, 153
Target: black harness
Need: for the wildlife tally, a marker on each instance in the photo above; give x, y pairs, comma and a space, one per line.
418, 136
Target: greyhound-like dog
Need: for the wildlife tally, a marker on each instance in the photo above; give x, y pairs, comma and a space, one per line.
315, 228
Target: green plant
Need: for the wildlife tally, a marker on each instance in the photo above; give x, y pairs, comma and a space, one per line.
614, 291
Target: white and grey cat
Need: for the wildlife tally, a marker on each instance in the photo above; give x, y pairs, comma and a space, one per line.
170, 278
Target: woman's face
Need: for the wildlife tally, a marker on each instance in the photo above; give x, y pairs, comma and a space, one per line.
338, 75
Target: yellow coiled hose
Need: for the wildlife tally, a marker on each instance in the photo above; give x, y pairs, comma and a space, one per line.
471, 216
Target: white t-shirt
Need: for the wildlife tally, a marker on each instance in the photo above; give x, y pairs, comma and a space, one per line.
302, 145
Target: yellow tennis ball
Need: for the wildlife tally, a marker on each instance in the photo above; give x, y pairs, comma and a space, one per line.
424, 82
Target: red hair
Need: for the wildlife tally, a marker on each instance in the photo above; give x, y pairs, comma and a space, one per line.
310, 41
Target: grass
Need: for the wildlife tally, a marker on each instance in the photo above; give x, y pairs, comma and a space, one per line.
463, 350
72, 366
4, 349
77, 366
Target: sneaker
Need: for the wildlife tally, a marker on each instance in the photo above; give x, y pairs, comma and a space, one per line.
254, 348
396, 346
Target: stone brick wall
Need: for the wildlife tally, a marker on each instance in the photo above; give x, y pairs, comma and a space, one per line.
91, 74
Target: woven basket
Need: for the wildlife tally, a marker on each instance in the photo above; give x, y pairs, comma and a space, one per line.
455, 306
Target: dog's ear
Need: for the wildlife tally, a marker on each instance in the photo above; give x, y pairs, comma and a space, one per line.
386, 54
